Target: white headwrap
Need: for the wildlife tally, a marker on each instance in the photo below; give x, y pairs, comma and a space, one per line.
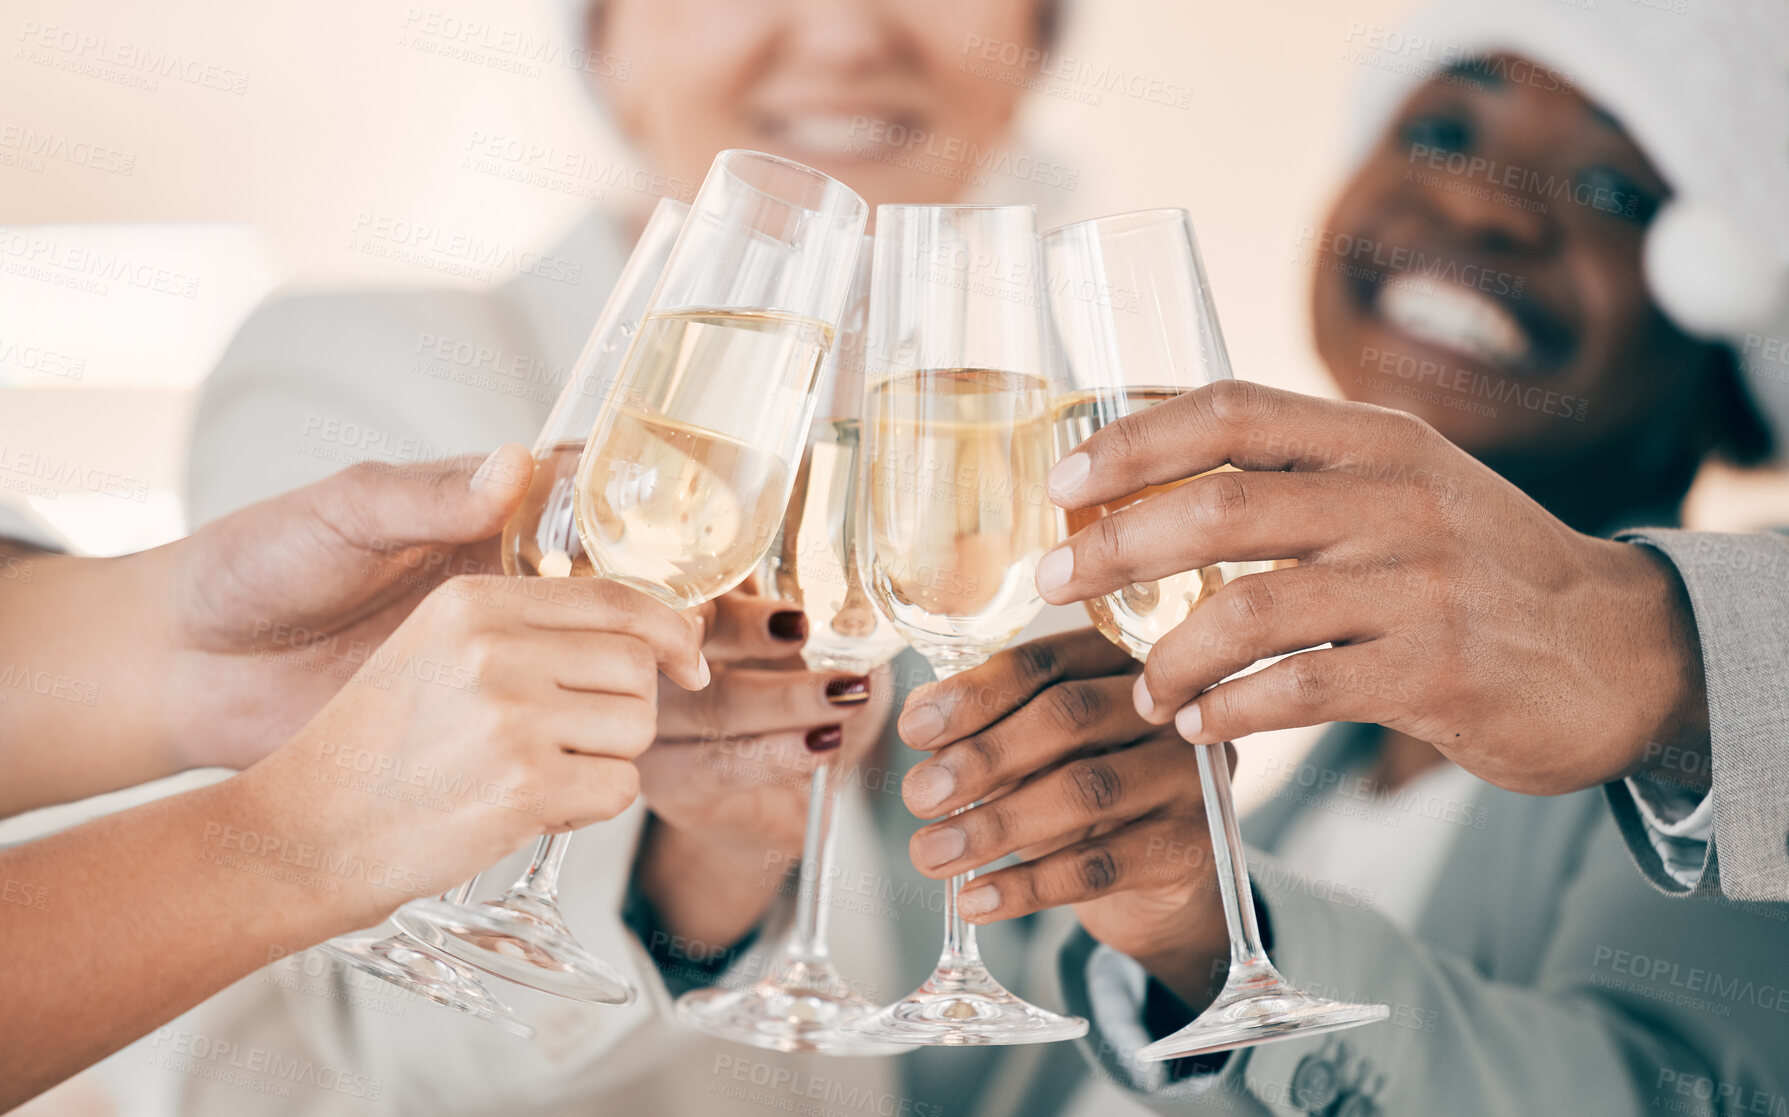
1702, 87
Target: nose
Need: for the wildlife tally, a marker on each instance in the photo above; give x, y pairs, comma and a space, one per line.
841, 35
1506, 219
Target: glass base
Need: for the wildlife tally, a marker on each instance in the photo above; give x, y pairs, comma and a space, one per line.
801, 1009
521, 938
415, 969
965, 1008
1258, 1008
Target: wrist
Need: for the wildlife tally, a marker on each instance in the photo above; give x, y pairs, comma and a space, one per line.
708, 891
296, 825
256, 825
1670, 741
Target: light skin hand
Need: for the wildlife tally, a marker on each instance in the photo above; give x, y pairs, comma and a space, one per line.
214, 650
1104, 809
1460, 612
531, 697
727, 782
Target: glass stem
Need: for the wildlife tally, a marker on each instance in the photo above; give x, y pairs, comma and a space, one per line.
807, 941
960, 951
541, 881
1246, 952
464, 892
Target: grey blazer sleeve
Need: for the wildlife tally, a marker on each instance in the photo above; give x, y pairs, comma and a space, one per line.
314, 382
1633, 1002
1739, 592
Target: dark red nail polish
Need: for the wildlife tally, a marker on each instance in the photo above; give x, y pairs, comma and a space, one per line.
848, 692
790, 624
825, 739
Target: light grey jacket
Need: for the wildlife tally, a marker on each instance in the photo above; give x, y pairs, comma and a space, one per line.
1739, 590
1543, 977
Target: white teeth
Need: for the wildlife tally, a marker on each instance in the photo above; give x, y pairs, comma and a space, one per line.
1456, 318
831, 135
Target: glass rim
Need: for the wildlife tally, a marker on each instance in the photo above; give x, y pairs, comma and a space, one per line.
1125, 222
725, 159
953, 208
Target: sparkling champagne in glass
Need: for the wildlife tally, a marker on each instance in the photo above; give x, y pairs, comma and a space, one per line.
802, 999
1135, 317
953, 517
522, 936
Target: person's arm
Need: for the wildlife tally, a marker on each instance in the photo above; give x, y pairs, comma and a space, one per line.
1638, 1003
1461, 612
1107, 814
1723, 799
534, 703
213, 650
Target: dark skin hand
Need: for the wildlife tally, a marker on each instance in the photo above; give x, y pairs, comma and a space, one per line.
1460, 612
1105, 809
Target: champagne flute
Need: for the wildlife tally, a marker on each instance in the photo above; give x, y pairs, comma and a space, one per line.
412, 966
1137, 325
953, 516
693, 450
802, 998
522, 936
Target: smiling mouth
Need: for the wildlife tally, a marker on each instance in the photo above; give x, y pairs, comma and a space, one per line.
836, 135
1472, 324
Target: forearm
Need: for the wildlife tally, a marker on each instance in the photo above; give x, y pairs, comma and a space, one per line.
117, 926
705, 893
84, 651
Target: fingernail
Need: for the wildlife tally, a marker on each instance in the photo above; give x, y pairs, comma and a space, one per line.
1070, 474
1189, 721
979, 900
485, 469
825, 739
854, 691
1141, 700
703, 673
790, 624
920, 725
940, 847
1055, 570
928, 786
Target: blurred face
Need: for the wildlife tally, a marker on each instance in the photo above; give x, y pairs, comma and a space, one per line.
1483, 270
873, 92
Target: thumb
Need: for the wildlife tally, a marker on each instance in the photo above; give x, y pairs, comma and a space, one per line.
459, 500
